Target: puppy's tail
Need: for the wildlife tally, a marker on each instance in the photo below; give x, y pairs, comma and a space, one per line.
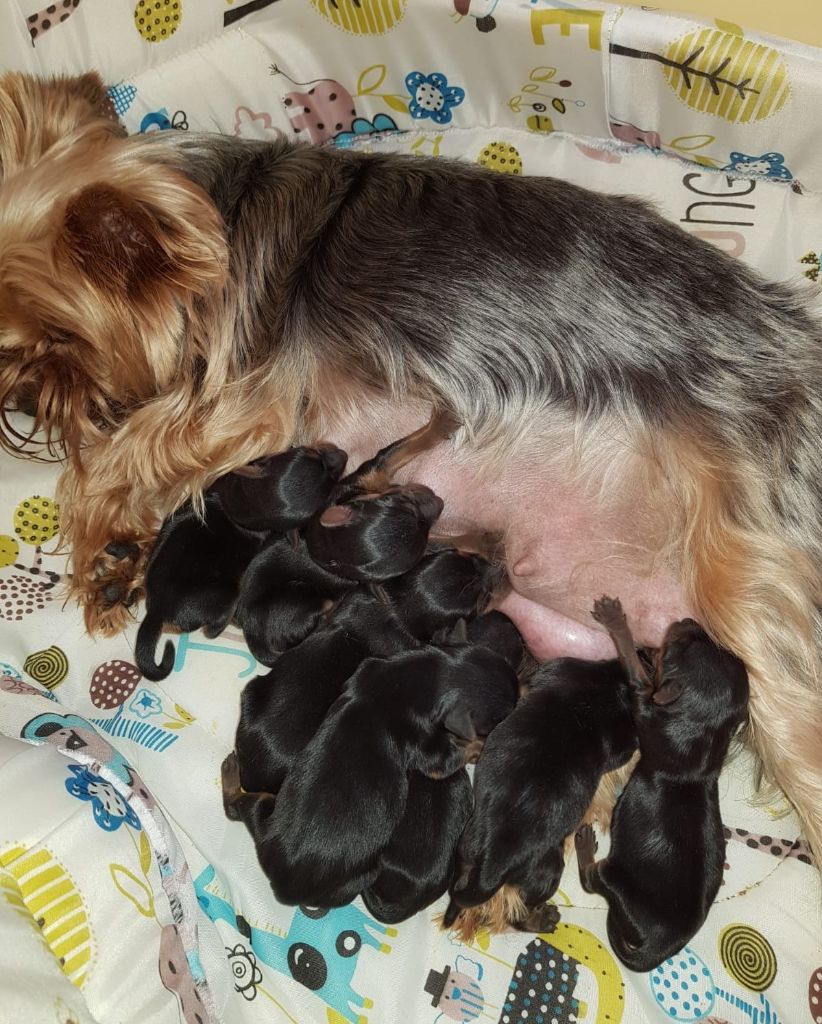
145, 649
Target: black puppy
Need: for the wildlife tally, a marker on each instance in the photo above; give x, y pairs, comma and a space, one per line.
283, 592
374, 537
445, 586
667, 852
418, 862
192, 580
281, 492
320, 840
280, 712
537, 775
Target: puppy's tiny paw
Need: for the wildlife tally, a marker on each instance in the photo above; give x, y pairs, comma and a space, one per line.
585, 842
543, 918
230, 771
608, 612
119, 550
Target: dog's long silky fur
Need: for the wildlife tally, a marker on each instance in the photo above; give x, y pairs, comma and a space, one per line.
172, 308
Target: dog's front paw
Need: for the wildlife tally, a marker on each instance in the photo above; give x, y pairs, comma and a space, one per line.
586, 844
608, 612
111, 587
543, 918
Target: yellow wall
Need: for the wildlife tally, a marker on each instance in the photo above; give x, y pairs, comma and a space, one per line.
793, 19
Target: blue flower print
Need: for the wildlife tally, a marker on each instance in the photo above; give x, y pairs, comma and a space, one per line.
110, 809
432, 96
144, 703
769, 165
361, 127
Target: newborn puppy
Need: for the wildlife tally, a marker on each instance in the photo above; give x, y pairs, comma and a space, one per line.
280, 712
498, 633
281, 492
445, 586
418, 862
282, 595
375, 537
664, 868
192, 580
321, 842
537, 775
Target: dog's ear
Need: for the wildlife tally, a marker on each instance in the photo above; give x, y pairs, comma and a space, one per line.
454, 716
667, 693
337, 515
456, 634
115, 240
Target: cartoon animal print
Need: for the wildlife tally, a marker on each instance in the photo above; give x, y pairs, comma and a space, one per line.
626, 132
479, 10
40, 889
36, 521
322, 111
159, 120
540, 92
319, 951
780, 848
54, 14
455, 991
769, 165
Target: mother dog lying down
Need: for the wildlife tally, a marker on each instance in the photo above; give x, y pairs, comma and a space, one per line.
640, 413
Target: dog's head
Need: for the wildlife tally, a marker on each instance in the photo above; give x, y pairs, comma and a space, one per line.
375, 537
701, 697
36, 113
281, 492
104, 247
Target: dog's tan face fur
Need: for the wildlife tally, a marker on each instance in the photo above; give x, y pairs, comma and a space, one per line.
96, 271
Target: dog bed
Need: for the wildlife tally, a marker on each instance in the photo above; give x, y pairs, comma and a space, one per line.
125, 895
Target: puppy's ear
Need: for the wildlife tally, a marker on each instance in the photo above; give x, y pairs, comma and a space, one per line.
456, 634
337, 515
453, 715
667, 693
115, 240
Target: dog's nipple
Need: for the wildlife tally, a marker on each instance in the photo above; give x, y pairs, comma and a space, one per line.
526, 566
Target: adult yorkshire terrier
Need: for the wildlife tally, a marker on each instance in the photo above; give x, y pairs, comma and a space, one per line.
641, 413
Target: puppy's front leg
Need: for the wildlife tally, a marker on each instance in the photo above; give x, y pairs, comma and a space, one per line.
586, 847
609, 613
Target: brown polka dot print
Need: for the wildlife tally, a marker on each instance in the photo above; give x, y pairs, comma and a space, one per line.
113, 683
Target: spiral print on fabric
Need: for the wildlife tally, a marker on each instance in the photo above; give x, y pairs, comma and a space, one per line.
49, 667
747, 956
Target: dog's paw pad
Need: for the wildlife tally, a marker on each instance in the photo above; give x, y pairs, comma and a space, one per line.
120, 550
608, 612
544, 918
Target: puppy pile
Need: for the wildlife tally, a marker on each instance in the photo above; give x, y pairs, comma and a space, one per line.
388, 676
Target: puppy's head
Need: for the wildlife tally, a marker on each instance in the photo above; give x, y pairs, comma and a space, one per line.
36, 113
375, 537
496, 632
701, 697
281, 492
103, 249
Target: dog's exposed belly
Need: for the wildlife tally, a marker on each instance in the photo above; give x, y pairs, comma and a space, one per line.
561, 552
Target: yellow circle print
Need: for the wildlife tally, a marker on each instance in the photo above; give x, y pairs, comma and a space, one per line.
502, 157
725, 74
157, 20
368, 18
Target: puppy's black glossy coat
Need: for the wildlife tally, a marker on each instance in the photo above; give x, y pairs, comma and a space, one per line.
417, 864
281, 711
537, 775
445, 586
664, 867
282, 594
281, 492
376, 537
320, 843
192, 580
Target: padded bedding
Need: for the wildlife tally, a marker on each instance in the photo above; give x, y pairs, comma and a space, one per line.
125, 895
